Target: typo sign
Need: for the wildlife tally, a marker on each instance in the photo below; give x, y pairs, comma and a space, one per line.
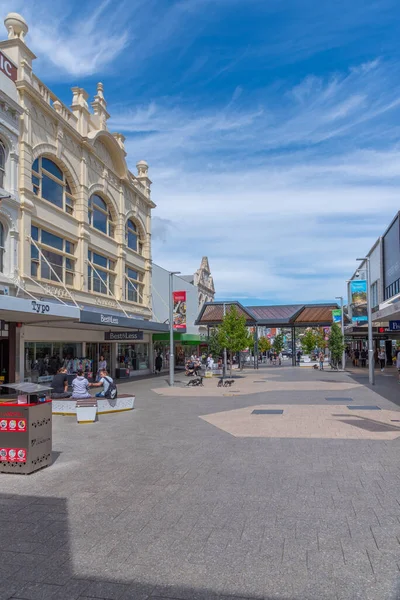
40, 308
120, 336
7, 67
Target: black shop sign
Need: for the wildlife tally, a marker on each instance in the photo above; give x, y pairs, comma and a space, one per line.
122, 336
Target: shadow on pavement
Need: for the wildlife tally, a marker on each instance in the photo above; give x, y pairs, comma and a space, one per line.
386, 384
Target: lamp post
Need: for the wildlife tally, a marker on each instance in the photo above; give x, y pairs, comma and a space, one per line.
171, 328
225, 357
342, 326
371, 372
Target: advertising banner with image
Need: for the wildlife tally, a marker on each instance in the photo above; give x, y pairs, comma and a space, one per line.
337, 315
358, 301
179, 311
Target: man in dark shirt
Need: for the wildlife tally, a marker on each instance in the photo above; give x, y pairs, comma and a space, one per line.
59, 385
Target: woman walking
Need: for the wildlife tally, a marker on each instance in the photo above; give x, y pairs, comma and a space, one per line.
382, 358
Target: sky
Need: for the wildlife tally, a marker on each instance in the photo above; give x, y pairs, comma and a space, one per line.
271, 128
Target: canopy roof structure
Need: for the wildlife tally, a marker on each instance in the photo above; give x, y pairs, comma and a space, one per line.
291, 315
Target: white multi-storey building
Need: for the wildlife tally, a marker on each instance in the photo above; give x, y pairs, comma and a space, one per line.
84, 227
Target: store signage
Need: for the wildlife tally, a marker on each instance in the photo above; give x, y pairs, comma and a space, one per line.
99, 318
119, 336
35, 307
179, 311
358, 293
7, 67
394, 325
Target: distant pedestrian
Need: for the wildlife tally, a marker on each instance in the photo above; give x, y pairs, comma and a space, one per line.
321, 361
298, 356
356, 357
363, 358
382, 358
398, 363
280, 358
158, 363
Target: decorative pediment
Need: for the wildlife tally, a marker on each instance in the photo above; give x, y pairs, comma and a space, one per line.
109, 152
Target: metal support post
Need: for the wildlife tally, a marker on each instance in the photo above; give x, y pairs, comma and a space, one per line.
171, 331
225, 356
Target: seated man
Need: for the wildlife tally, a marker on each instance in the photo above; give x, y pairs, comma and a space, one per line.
105, 381
80, 386
59, 385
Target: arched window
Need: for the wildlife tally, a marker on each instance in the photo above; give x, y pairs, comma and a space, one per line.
2, 242
100, 216
2, 164
133, 237
50, 183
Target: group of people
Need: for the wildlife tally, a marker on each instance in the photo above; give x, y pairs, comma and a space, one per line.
80, 384
275, 358
193, 365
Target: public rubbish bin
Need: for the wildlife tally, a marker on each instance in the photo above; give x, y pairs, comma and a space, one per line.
25, 429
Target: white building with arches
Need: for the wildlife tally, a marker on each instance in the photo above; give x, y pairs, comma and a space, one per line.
84, 223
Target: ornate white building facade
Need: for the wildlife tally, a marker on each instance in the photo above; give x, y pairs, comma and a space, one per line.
84, 219
204, 281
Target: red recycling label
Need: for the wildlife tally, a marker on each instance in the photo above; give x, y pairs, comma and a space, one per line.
13, 454
12, 424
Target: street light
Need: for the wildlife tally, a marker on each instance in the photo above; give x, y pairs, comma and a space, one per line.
371, 371
342, 325
171, 328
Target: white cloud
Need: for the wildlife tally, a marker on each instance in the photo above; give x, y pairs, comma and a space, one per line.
281, 198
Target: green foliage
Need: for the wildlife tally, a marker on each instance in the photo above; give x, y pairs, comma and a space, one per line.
233, 333
264, 344
336, 343
279, 343
320, 340
214, 347
309, 341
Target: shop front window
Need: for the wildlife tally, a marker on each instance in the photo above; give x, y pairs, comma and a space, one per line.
100, 215
50, 183
134, 287
43, 359
134, 357
52, 258
101, 274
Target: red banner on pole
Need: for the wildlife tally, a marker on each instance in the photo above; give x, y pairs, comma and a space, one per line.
179, 311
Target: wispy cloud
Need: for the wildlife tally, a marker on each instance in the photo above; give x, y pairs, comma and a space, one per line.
265, 190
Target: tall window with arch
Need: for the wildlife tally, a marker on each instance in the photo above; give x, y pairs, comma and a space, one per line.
133, 237
2, 164
50, 183
100, 216
2, 246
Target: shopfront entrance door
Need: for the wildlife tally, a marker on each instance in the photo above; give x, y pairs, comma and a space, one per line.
4, 363
94, 351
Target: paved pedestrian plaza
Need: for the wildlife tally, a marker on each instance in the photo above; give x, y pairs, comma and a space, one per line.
285, 486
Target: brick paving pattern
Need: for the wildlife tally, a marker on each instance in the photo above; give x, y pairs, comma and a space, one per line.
158, 503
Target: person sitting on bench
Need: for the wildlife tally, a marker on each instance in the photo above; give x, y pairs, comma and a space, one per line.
105, 381
59, 385
80, 386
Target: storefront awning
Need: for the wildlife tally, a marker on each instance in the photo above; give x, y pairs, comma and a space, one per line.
108, 320
14, 310
188, 339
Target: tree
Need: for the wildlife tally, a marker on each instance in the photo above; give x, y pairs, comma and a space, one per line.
214, 347
336, 344
279, 343
308, 341
233, 333
320, 341
264, 344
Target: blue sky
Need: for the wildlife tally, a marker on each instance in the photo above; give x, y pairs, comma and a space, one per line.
271, 128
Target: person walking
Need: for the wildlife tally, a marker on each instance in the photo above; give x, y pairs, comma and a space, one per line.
298, 356
398, 364
321, 361
382, 358
80, 386
363, 358
356, 357
280, 358
158, 363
